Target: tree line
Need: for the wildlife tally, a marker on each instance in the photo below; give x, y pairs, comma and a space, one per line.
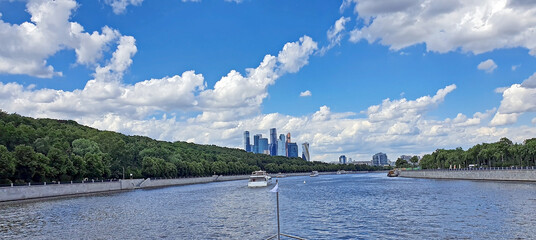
503, 153
39, 150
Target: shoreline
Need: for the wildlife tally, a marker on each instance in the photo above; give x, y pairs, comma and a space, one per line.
495, 174
22, 194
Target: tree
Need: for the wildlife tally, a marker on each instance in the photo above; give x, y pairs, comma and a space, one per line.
8, 165
414, 160
83, 146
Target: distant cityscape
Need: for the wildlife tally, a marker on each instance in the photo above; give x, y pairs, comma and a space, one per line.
283, 146
278, 146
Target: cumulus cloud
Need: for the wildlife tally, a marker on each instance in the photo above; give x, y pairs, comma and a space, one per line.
404, 109
26, 47
517, 99
307, 93
295, 55
488, 66
119, 6
447, 25
233, 96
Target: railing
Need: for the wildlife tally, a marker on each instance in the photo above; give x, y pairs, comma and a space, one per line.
57, 183
480, 169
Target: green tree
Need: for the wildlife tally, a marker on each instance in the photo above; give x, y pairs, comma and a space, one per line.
414, 160
83, 146
8, 165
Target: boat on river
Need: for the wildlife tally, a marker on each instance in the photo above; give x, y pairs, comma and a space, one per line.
259, 179
314, 174
393, 173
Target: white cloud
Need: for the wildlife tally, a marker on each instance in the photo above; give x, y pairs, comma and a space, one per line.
488, 66
119, 6
447, 25
404, 109
295, 55
307, 93
517, 99
233, 96
334, 34
26, 47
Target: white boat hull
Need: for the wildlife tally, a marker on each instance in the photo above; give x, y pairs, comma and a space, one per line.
260, 183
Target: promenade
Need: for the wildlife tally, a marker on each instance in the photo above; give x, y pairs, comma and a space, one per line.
490, 174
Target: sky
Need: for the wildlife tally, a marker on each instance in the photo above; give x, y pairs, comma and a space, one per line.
351, 77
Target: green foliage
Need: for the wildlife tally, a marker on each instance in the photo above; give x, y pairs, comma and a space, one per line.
8, 165
503, 153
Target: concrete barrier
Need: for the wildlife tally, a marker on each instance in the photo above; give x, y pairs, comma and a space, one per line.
15, 193
492, 175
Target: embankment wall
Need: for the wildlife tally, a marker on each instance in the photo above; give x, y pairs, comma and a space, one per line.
8, 194
489, 174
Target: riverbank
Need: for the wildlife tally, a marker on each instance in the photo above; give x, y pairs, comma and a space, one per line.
493, 174
35, 192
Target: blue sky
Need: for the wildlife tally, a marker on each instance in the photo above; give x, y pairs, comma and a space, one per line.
402, 77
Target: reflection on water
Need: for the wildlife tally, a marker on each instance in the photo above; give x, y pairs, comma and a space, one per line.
359, 206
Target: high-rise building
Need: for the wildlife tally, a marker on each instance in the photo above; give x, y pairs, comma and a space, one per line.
286, 144
247, 144
305, 152
342, 159
263, 146
380, 159
281, 149
292, 150
273, 142
256, 138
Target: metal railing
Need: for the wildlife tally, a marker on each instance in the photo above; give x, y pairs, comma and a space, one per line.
29, 184
479, 169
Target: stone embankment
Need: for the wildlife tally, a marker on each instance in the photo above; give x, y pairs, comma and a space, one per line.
490, 174
16, 193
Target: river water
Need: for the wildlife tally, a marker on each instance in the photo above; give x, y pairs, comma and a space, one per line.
356, 206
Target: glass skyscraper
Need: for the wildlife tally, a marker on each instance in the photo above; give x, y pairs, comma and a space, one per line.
247, 144
256, 138
305, 152
292, 150
273, 142
263, 146
281, 150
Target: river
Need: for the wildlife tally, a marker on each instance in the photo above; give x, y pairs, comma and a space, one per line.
353, 206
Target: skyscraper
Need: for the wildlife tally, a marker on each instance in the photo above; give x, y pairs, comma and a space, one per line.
286, 144
263, 146
305, 152
292, 150
281, 145
256, 138
247, 145
273, 142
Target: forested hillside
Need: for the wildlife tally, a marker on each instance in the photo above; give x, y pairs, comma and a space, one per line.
41, 150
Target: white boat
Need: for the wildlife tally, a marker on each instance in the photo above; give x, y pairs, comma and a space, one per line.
259, 179
314, 174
